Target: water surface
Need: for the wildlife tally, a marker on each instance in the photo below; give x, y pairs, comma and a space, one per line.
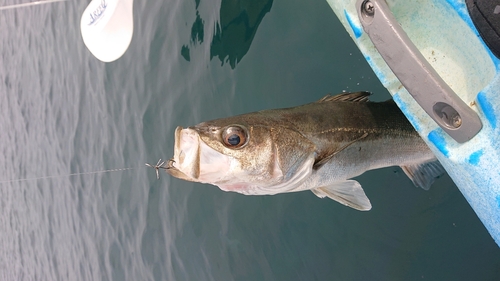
64, 112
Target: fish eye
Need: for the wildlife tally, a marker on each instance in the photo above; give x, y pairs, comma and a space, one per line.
234, 136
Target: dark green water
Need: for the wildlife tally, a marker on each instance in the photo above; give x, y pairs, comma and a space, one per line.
65, 112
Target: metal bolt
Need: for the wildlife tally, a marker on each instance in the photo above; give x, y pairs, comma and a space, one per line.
457, 121
368, 7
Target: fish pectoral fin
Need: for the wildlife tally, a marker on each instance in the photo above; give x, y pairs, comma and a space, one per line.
322, 161
424, 174
348, 193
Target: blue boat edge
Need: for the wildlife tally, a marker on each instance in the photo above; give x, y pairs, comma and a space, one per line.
469, 67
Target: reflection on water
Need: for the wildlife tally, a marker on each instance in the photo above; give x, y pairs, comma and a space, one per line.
234, 32
197, 33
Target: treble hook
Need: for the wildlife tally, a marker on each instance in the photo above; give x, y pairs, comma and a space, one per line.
157, 167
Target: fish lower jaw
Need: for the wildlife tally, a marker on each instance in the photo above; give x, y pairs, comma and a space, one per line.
173, 171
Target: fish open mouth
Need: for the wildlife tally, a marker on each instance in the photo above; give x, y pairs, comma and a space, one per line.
194, 160
186, 161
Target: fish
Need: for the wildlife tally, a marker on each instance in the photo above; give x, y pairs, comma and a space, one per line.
318, 146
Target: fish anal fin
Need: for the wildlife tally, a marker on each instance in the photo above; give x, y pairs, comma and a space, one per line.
348, 193
424, 174
352, 97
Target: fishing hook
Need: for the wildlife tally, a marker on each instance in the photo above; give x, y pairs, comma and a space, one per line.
157, 167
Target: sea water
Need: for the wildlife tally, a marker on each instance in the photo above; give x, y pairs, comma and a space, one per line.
64, 112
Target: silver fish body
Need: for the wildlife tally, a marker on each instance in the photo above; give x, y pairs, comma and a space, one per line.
317, 146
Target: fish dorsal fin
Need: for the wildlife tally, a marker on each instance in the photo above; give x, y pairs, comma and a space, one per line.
352, 97
348, 193
424, 174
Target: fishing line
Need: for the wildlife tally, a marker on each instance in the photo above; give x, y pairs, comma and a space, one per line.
157, 167
70, 175
30, 4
